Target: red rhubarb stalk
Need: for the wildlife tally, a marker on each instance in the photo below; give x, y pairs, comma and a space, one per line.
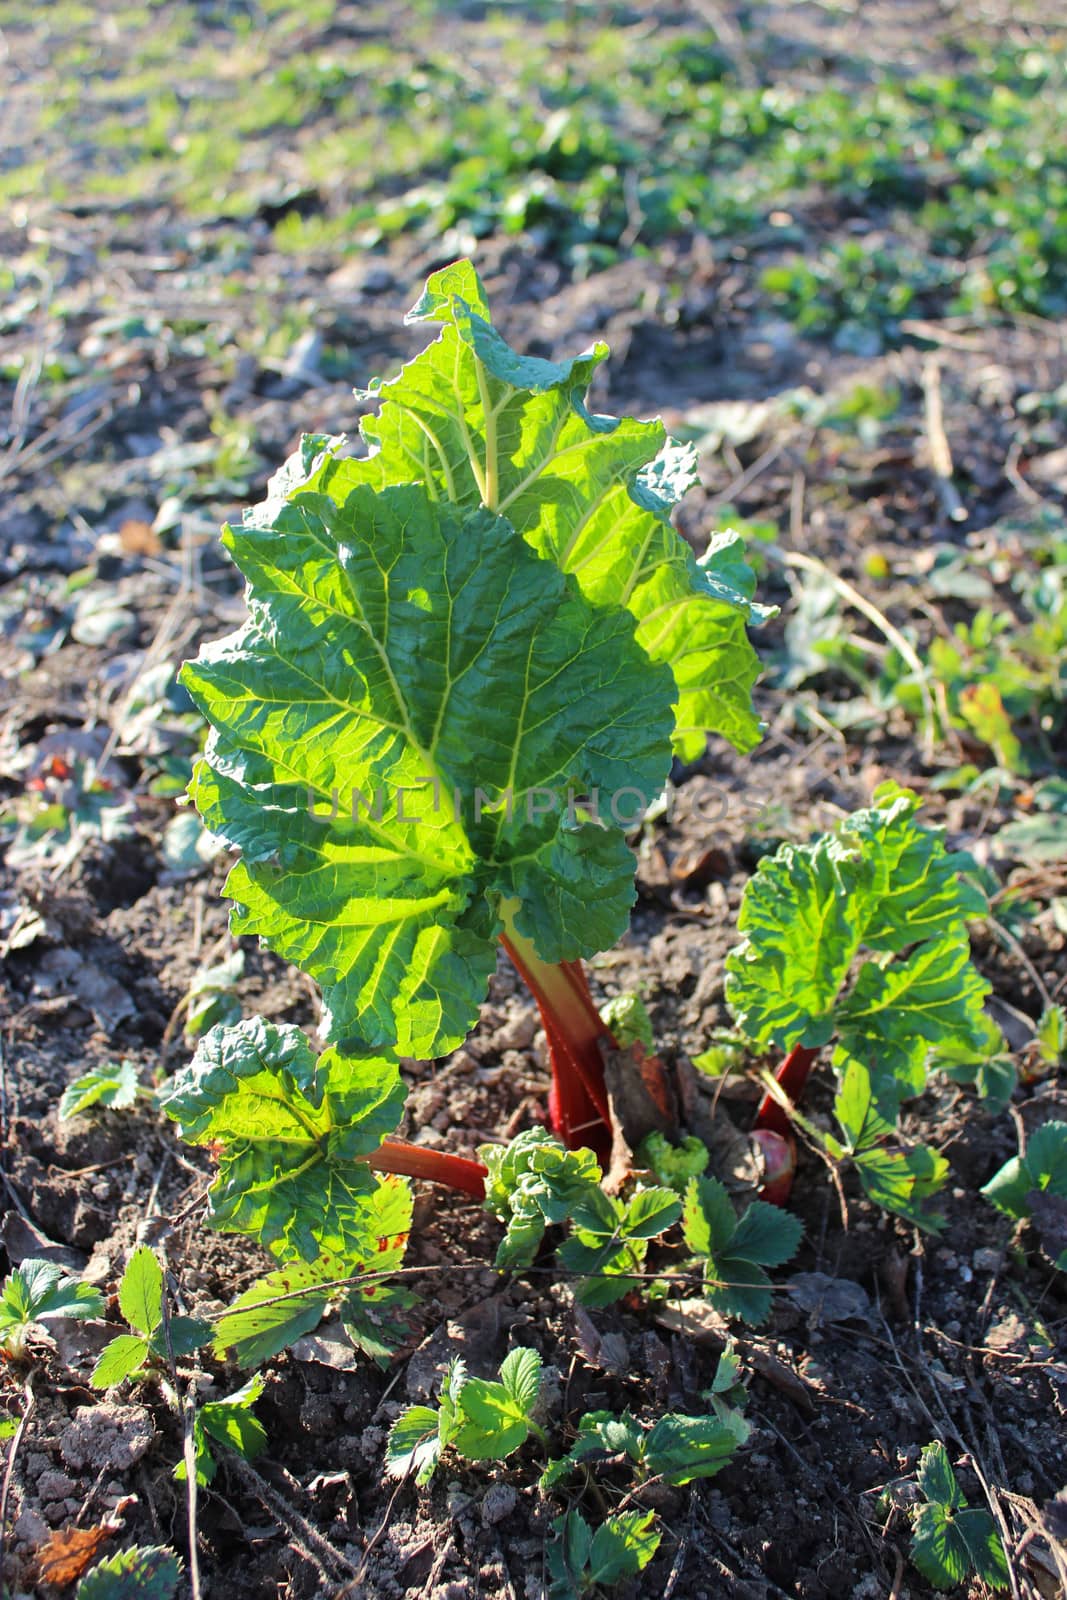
773, 1130
578, 1099
435, 1166
791, 1076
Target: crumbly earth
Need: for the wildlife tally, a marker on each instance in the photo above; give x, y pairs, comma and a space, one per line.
901, 1340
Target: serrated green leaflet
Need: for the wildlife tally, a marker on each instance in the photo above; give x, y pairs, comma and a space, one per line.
414, 669
609, 1240
414, 1444
141, 1291
119, 1360
879, 883
143, 1572
484, 1420
680, 1449
579, 1559
113, 1087
480, 424
36, 1292
734, 1251
228, 1422
676, 1449
1043, 1168
494, 1417
292, 1127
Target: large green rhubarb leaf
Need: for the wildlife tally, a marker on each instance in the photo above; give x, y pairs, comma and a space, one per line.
404, 730
883, 884
481, 425
290, 1128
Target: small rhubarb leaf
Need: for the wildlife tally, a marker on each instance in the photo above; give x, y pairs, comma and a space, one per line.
277, 1310
375, 1320
291, 1127
417, 752
119, 1360
879, 883
414, 1444
113, 1087
798, 916
919, 890
893, 1016
952, 1543
734, 1251
373, 1311
530, 1183
143, 1572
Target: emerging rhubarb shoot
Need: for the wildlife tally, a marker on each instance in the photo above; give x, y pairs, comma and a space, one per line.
883, 887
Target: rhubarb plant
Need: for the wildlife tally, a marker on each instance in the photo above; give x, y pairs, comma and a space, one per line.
469, 658
858, 943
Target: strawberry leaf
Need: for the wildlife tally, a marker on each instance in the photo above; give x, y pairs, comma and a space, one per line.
143, 1572
734, 1251
952, 1543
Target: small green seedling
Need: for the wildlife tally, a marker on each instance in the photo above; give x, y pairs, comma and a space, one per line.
143, 1572
210, 998
112, 1087
479, 1419
152, 1341
1033, 1186
230, 1423
36, 1292
951, 1542
673, 1164
580, 1560
732, 1252
629, 1021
